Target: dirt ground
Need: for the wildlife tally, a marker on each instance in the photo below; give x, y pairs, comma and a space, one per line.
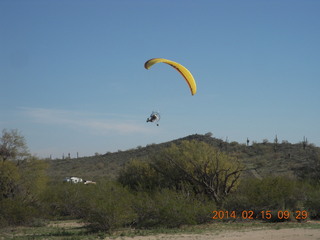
268, 234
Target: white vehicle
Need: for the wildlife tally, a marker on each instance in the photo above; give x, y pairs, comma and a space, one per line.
89, 182
73, 180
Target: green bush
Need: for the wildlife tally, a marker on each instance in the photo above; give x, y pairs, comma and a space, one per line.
138, 175
269, 194
108, 207
21, 184
14, 212
312, 203
203, 208
65, 199
168, 208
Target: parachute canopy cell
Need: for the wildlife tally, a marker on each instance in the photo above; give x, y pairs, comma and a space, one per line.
181, 69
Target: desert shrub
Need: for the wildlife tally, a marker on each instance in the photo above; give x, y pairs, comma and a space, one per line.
203, 208
312, 202
269, 194
190, 166
21, 184
138, 175
146, 210
105, 206
168, 208
108, 207
14, 212
65, 199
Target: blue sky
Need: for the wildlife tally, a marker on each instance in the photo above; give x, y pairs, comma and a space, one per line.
72, 76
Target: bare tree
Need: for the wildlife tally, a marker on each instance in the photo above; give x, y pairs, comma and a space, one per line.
12, 146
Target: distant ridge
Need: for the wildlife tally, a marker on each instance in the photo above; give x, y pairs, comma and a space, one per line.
261, 159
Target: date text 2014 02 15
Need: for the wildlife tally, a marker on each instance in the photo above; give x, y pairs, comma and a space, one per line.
268, 214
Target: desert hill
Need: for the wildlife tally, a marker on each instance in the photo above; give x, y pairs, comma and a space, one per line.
261, 159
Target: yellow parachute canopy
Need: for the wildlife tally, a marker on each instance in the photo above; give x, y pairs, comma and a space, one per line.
181, 69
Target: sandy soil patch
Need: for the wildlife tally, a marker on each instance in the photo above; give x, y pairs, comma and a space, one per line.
268, 234
66, 224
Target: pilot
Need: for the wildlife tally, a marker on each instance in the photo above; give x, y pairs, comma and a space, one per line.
152, 118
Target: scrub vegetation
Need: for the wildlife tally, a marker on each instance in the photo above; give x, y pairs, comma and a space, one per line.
185, 182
